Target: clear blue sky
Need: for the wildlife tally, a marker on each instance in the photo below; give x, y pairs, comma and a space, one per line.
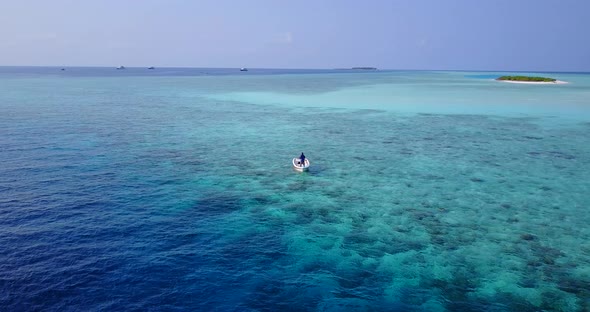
541, 35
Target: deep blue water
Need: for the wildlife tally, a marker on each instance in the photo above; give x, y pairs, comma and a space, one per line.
172, 190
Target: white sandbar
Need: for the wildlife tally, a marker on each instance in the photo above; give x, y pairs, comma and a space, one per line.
536, 82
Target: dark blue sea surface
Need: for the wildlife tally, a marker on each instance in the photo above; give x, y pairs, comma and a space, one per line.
428, 191
20, 71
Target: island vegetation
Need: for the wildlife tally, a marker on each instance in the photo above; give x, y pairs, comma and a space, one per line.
526, 78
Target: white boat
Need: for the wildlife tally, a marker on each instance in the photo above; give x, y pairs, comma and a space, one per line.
121, 67
297, 165
243, 69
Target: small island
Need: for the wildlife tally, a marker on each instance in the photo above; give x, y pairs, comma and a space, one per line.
526, 78
529, 79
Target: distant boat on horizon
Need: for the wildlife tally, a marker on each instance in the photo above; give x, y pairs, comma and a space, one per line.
365, 68
121, 67
243, 69
151, 67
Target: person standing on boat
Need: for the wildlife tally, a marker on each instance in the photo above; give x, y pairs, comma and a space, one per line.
302, 158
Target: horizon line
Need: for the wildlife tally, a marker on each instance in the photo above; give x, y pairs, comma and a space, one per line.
303, 68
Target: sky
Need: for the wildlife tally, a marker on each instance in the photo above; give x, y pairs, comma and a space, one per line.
525, 35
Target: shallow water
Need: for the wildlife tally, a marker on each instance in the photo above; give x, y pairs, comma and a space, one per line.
428, 191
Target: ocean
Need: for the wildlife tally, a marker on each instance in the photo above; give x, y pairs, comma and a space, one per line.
172, 189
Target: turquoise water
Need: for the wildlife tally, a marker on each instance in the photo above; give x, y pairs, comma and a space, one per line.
428, 191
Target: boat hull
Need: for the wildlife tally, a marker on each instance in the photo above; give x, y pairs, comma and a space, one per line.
297, 165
